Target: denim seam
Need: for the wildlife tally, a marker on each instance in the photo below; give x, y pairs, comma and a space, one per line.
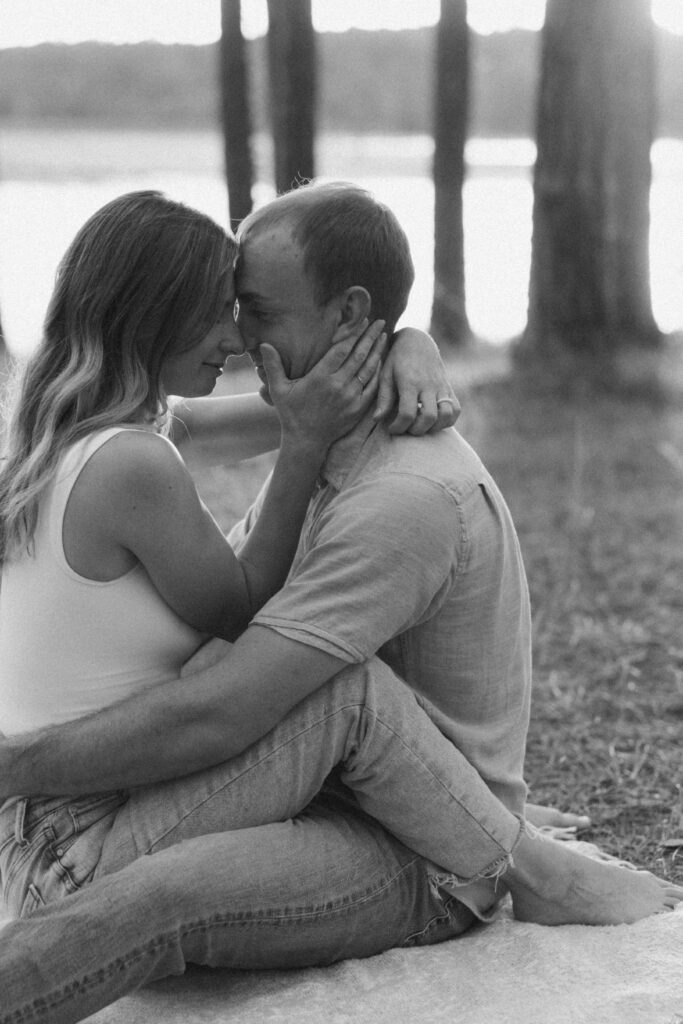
303, 732
37, 824
444, 787
79, 810
435, 920
464, 553
53, 1001
325, 717
493, 867
42, 841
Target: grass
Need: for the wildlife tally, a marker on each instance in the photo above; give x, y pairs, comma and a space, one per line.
595, 485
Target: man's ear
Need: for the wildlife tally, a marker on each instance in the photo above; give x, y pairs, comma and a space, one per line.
354, 308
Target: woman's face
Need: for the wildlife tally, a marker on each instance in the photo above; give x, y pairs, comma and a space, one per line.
194, 372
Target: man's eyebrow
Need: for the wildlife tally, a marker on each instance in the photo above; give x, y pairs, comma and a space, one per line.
248, 297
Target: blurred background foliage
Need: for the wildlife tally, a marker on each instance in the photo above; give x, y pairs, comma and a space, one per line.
368, 82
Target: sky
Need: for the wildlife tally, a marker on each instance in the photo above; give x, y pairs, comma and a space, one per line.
28, 22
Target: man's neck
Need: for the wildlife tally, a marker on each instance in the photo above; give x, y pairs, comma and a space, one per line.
344, 452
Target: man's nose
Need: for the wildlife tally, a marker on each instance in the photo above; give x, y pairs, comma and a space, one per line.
232, 342
249, 342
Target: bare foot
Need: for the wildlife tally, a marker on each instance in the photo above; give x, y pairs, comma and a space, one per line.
553, 884
550, 817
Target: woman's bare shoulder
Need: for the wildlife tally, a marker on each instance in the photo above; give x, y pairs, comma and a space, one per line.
134, 462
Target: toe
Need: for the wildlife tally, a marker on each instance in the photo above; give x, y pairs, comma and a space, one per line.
541, 815
568, 820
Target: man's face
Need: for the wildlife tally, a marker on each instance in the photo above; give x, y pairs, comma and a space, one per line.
277, 304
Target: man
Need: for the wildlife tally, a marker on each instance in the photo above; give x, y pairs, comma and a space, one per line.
409, 551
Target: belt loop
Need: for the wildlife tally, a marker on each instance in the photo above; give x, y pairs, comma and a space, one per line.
19, 837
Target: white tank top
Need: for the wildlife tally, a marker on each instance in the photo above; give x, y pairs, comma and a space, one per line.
70, 645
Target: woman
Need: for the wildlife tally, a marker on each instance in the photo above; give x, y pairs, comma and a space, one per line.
114, 573
122, 334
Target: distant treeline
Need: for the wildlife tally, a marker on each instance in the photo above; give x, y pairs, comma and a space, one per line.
369, 81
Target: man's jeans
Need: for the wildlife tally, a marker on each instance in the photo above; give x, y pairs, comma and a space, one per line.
252, 865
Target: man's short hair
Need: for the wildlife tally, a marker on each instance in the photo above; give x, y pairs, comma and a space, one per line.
347, 238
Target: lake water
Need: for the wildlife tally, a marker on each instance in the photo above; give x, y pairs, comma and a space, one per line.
52, 180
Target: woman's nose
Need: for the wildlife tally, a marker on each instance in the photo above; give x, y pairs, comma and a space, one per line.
232, 342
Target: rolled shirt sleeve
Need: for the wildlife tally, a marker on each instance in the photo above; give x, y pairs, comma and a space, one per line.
380, 558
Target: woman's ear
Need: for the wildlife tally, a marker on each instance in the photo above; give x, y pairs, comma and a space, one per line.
354, 309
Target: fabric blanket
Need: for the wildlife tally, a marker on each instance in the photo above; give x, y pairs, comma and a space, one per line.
508, 972
504, 973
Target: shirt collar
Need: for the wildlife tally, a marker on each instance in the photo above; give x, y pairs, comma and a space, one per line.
344, 452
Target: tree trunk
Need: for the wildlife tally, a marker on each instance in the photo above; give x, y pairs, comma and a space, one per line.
235, 112
5, 364
589, 295
292, 77
450, 325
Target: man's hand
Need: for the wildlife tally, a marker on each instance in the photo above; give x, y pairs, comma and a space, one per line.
240, 693
325, 404
414, 386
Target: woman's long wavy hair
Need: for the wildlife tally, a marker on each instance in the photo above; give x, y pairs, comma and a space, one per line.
144, 277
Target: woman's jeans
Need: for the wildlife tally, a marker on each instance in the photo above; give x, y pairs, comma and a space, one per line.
274, 859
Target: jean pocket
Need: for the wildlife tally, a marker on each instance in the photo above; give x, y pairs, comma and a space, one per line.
32, 901
86, 811
23, 864
55, 847
77, 849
